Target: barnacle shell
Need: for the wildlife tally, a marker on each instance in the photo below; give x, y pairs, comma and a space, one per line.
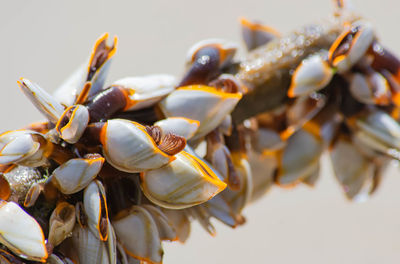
72, 123
219, 156
18, 148
205, 104
255, 34
33, 194
95, 204
351, 45
180, 223
128, 147
295, 165
43, 101
203, 216
112, 245
185, 182
75, 174
165, 229
312, 176
145, 91
62, 222
21, 233
138, 234
217, 207
180, 126
370, 89
267, 139
352, 168
311, 75
92, 72
88, 247
24, 147
380, 132
237, 199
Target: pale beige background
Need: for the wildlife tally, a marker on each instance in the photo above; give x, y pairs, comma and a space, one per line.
46, 40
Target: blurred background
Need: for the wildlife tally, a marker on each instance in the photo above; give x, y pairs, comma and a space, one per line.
45, 40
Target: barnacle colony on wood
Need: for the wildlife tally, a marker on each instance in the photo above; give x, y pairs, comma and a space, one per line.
115, 170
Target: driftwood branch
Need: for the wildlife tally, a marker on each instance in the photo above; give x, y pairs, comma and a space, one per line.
267, 70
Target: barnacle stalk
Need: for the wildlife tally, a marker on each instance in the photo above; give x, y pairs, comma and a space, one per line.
116, 170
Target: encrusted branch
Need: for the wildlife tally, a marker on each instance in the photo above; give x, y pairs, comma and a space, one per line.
116, 170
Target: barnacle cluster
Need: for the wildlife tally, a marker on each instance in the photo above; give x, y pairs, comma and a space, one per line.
115, 170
